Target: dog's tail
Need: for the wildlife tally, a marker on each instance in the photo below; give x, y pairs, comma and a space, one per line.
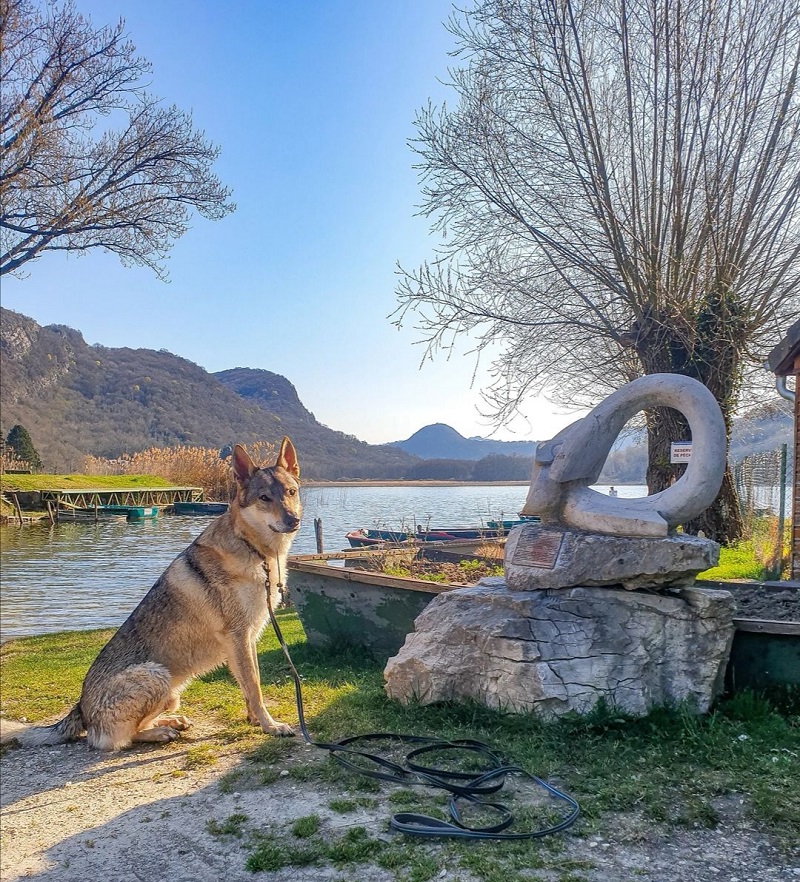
64, 730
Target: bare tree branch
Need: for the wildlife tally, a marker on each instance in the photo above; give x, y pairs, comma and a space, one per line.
616, 190
66, 185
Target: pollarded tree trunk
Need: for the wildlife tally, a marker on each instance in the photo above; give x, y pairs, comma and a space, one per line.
722, 521
718, 368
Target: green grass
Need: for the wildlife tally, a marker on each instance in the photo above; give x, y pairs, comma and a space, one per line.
233, 825
306, 827
736, 562
665, 772
755, 558
28, 483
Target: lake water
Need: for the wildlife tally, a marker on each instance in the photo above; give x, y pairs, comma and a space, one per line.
89, 575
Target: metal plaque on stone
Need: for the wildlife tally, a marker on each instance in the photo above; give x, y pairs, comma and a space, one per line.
538, 548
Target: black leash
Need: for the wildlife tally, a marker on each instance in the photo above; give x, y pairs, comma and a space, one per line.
468, 787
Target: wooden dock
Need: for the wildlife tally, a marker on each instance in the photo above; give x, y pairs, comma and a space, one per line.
140, 496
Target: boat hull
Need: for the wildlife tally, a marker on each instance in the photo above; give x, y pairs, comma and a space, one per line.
365, 538
343, 606
134, 512
200, 508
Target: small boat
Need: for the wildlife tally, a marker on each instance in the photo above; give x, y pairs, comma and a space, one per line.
364, 538
200, 508
104, 512
74, 513
132, 512
345, 597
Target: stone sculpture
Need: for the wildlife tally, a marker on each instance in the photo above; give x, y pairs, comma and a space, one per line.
565, 466
557, 634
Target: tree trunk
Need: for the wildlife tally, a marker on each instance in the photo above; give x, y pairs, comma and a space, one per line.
722, 521
717, 366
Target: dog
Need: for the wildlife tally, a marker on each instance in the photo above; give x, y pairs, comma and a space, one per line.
209, 607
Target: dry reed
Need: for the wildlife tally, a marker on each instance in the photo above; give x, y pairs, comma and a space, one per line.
9, 462
184, 466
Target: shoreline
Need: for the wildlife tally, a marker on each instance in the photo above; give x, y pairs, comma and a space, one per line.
433, 483
36, 517
401, 483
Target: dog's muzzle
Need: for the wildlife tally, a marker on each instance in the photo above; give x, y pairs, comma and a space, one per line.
290, 526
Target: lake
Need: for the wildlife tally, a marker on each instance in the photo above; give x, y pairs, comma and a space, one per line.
87, 575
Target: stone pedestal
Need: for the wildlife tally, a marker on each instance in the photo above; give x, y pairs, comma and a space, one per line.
552, 652
540, 556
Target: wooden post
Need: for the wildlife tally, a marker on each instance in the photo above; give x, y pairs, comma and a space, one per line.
50, 512
18, 507
318, 534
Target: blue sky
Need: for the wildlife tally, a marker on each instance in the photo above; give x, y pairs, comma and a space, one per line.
312, 103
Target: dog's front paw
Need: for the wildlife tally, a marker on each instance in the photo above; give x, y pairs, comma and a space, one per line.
281, 730
179, 723
157, 734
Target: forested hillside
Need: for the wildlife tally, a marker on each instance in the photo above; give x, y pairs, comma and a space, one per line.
76, 399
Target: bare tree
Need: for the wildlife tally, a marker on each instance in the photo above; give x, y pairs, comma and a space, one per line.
617, 194
65, 183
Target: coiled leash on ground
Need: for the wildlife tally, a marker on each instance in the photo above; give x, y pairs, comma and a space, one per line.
467, 786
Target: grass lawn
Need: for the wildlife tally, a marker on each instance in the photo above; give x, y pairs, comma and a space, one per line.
668, 771
737, 562
29, 483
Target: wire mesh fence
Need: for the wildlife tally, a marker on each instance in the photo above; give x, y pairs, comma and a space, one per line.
764, 484
762, 479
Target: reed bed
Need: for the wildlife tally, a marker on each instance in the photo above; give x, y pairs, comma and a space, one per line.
183, 465
9, 462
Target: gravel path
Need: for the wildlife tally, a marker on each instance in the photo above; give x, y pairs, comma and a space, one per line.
73, 815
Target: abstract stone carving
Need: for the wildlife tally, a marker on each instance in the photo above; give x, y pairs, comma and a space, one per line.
565, 466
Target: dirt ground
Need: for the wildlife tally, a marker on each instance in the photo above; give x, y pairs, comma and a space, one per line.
69, 813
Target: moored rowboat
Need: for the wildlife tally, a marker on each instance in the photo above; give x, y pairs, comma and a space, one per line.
199, 508
365, 538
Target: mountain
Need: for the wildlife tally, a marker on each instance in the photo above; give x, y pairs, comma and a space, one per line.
763, 428
326, 453
76, 399
440, 441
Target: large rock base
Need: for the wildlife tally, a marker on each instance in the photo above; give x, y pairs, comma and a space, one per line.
553, 652
542, 556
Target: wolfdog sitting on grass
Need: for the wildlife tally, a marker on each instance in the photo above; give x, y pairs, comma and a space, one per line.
209, 607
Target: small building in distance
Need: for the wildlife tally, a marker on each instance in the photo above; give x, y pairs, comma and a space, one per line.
784, 361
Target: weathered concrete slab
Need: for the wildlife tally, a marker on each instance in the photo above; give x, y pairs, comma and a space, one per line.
539, 556
553, 652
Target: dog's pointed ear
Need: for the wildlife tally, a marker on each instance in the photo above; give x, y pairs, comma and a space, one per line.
287, 458
243, 466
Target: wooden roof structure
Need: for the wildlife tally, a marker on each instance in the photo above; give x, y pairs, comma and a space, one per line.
784, 361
